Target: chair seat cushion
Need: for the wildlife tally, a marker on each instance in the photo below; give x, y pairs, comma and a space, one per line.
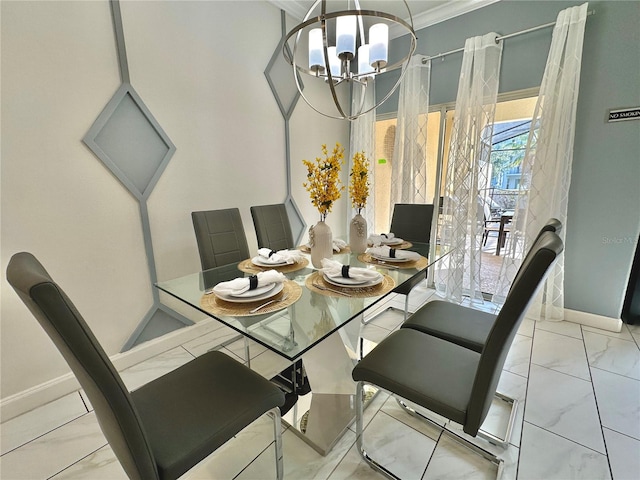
193, 410
452, 322
428, 371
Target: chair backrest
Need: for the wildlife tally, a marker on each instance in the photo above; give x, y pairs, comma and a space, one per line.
552, 225
412, 221
114, 409
220, 237
273, 229
532, 272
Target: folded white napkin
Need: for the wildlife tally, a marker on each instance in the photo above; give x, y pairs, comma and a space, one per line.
338, 244
380, 238
386, 252
238, 286
332, 268
281, 256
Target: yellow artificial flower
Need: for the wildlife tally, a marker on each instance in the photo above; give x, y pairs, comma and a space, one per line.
323, 179
359, 182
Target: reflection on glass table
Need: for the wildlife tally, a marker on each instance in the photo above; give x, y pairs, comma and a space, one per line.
319, 322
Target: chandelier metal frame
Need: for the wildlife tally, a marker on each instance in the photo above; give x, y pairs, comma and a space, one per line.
361, 79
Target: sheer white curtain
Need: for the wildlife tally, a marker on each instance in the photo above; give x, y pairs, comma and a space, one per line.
546, 168
467, 170
408, 166
363, 139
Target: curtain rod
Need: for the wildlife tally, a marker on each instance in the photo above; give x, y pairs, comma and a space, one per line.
500, 37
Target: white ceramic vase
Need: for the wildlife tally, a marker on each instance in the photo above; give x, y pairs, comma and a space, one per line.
358, 234
321, 243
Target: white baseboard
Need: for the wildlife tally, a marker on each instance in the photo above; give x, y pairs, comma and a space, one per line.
593, 320
46, 392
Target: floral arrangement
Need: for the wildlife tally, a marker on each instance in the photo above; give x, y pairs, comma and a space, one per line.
323, 179
359, 182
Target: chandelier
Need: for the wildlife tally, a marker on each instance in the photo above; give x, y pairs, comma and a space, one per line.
345, 47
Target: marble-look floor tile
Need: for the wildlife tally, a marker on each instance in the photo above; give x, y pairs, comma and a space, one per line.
210, 340
37, 422
624, 455
514, 386
374, 333
99, 465
452, 460
396, 446
519, 356
563, 328
300, 460
618, 404
55, 451
389, 319
634, 330
560, 353
238, 347
392, 408
527, 327
142, 373
564, 405
544, 455
623, 334
613, 355
233, 457
269, 364
353, 467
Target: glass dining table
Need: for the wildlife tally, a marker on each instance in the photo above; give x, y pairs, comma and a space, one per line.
311, 319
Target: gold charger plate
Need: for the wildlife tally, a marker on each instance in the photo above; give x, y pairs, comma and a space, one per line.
248, 266
422, 262
216, 306
316, 278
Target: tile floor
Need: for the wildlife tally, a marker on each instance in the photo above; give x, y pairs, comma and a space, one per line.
579, 418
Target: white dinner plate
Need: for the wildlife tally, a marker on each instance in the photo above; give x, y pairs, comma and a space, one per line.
258, 261
393, 241
368, 283
344, 281
390, 259
273, 290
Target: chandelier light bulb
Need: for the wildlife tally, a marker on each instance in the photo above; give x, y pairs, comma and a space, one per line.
379, 45
346, 37
316, 53
364, 65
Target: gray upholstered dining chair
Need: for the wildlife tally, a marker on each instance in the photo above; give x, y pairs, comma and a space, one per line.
453, 381
463, 325
164, 428
273, 229
411, 222
220, 237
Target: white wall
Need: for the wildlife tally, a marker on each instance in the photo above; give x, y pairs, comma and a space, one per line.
201, 76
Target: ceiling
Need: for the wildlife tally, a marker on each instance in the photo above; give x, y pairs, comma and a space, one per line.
424, 12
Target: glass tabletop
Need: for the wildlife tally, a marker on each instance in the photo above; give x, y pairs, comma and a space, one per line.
292, 331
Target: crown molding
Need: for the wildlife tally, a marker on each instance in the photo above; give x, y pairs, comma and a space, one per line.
290, 7
440, 14
421, 20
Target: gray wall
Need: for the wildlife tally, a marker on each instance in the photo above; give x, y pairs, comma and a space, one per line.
604, 202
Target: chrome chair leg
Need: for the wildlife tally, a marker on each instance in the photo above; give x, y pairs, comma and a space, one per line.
489, 437
277, 434
498, 462
359, 435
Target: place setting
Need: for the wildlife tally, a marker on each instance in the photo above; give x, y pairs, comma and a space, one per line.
388, 239
284, 261
339, 246
390, 257
337, 280
265, 292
